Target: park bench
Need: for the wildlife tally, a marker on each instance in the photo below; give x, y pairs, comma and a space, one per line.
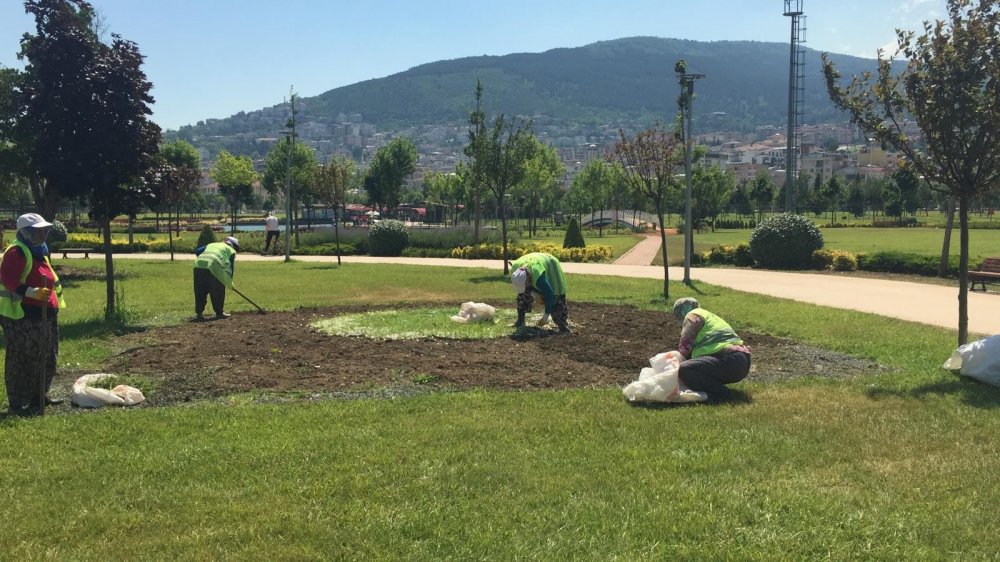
85, 251
988, 272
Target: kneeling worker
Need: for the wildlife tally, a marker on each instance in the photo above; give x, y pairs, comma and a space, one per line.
540, 275
714, 355
213, 272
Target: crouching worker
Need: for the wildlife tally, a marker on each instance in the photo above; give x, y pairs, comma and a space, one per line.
539, 275
213, 272
714, 355
30, 299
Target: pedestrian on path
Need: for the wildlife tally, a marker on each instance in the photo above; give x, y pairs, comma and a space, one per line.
539, 275
271, 228
714, 355
30, 300
213, 273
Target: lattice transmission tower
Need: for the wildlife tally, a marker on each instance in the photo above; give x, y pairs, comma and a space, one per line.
796, 98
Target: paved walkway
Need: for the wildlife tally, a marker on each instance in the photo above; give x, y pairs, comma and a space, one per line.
642, 253
936, 305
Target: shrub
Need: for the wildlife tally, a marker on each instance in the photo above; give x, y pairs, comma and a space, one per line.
901, 262
207, 236
495, 252
58, 233
388, 238
574, 236
835, 260
785, 241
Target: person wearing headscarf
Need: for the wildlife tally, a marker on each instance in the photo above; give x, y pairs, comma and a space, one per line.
213, 273
539, 275
714, 355
30, 299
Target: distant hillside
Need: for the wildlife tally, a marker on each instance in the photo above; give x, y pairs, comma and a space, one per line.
628, 81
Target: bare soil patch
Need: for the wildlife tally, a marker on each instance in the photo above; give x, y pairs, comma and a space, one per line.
279, 353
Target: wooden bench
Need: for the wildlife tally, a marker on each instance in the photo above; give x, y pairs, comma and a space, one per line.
84, 251
988, 272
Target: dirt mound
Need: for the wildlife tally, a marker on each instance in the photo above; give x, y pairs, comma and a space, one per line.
279, 352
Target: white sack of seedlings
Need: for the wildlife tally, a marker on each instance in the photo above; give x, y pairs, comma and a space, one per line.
86, 396
979, 359
474, 312
659, 382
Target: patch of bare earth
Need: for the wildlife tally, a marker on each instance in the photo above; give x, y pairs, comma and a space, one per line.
280, 353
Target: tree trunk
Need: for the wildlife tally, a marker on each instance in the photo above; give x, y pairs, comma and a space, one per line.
503, 230
946, 246
663, 252
963, 269
475, 229
109, 271
170, 232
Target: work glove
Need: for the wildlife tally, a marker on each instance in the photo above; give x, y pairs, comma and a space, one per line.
38, 293
543, 320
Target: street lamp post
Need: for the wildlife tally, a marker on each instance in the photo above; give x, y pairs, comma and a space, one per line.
687, 91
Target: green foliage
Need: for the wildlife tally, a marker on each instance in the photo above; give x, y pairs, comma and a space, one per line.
738, 255
207, 236
785, 241
58, 233
904, 262
574, 235
495, 251
388, 238
834, 260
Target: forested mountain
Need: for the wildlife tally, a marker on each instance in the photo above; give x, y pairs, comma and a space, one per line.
628, 81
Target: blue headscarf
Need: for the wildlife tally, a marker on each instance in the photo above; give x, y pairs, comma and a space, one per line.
40, 250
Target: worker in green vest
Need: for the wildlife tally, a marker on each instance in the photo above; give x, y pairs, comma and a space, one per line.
714, 355
539, 275
213, 273
30, 299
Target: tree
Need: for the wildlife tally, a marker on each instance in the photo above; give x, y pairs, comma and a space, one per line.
833, 192
280, 169
86, 113
856, 200
330, 185
388, 171
762, 192
542, 173
446, 190
235, 176
648, 160
908, 182
177, 171
949, 89
591, 187
474, 179
711, 189
499, 153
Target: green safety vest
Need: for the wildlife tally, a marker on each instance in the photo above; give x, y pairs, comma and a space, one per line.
10, 303
714, 336
216, 258
538, 263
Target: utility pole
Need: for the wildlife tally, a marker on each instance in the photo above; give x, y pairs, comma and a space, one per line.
288, 180
686, 101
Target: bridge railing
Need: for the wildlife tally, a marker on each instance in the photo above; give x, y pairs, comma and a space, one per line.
627, 217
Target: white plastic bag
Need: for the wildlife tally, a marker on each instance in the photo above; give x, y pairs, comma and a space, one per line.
474, 312
979, 359
86, 396
659, 382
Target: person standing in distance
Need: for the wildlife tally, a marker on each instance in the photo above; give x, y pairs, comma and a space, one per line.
213, 273
30, 300
540, 275
271, 229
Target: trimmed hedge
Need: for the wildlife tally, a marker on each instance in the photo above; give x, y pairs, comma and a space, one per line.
495, 252
785, 241
388, 238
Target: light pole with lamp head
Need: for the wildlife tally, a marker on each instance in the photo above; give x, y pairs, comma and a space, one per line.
687, 97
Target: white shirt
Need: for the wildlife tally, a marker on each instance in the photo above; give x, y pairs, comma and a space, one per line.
271, 223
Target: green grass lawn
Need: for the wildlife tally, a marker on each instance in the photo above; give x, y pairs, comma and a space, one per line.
895, 466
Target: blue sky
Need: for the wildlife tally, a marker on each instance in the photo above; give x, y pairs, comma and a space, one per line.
213, 58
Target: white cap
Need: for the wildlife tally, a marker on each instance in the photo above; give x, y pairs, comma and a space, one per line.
31, 220
519, 279
232, 242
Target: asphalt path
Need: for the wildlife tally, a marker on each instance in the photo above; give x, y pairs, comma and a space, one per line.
936, 305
